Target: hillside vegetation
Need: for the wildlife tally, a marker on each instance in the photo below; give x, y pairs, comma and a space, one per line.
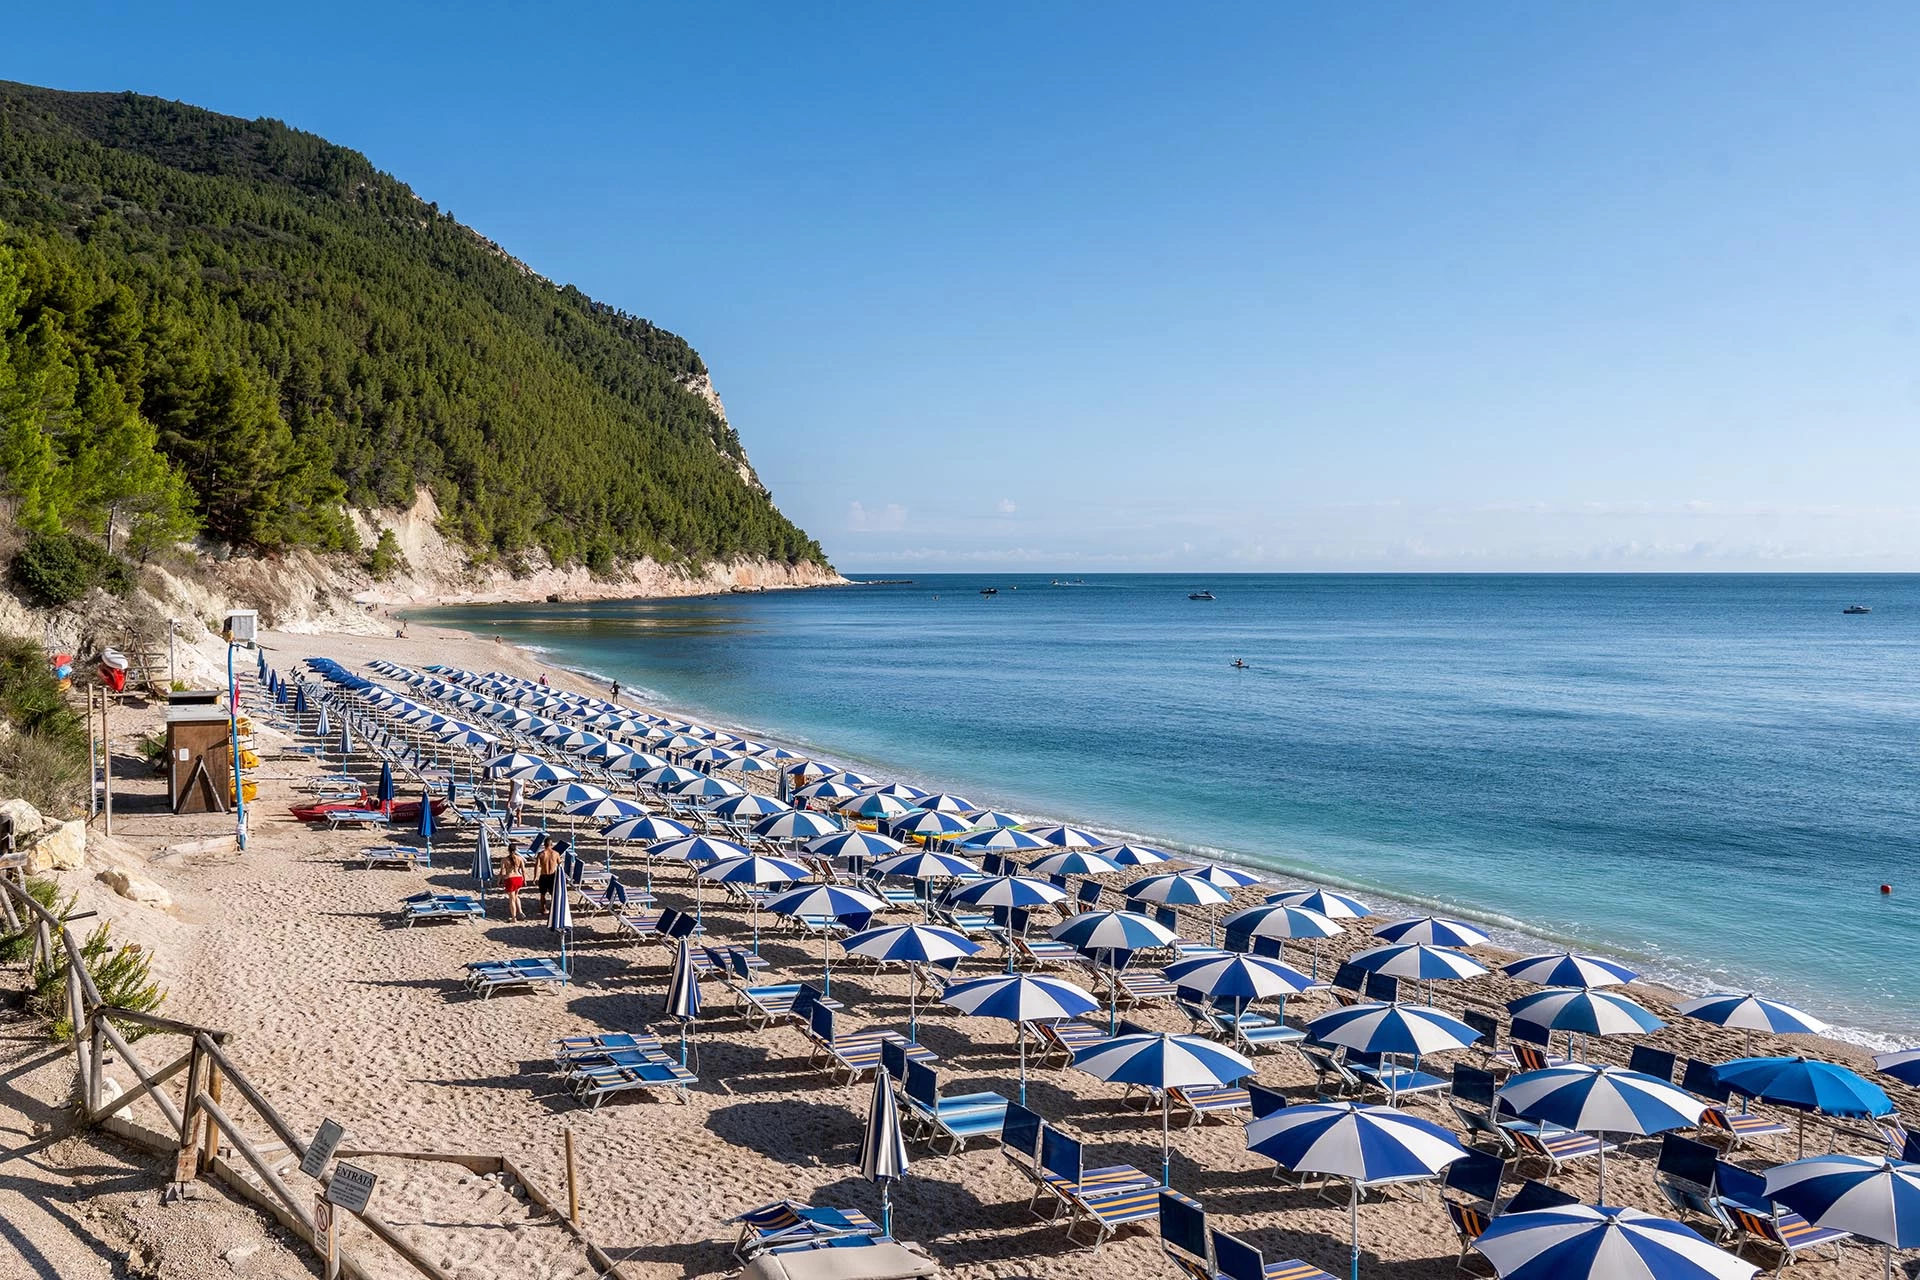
235, 327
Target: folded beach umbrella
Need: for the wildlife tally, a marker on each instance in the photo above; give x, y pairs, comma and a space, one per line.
826, 902
911, 945
1068, 837
1134, 855
942, 802
927, 823
1750, 1013
1565, 969
850, 846
1002, 840
705, 786
920, 864
1177, 888
749, 806
1902, 1064
1591, 1013
1020, 998
346, 739
883, 1151
570, 792
1432, 931
323, 727
1805, 1084
1362, 1143
560, 919
683, 993
1872, 1197
795, 824
426, 821
1601, 1100
1072, 862
1603, 1242
1162, 1062
386, 792
483, 862
1334, 906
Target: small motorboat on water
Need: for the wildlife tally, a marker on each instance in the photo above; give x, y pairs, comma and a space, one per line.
1200, 595
1241, 665
989, 591
1856, 608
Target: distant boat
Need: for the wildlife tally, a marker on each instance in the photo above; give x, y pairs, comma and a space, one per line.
1856, 608
989, 591
1200, 595
1241, 665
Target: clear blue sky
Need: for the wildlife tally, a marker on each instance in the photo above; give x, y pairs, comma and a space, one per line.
1103, 286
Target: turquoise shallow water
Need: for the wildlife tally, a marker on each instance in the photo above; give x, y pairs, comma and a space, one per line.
1708, 776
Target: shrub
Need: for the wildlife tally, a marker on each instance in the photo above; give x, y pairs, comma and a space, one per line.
54, 569
123, 976
45, 759
15, 945
386, 558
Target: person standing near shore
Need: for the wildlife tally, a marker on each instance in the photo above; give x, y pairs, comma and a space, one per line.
616, 691
513, 873
516, 801
546, 874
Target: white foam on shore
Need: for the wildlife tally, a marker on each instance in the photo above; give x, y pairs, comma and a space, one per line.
1504, 931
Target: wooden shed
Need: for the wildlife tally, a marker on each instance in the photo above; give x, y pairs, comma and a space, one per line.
199, 758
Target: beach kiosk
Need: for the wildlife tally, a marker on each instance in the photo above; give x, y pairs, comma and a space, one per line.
199, 753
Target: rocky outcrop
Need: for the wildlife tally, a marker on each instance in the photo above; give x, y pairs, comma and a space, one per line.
61, 846
135, 888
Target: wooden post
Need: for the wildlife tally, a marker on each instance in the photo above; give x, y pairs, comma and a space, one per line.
99, 1056
77, 1018
329, 1233
106, 764
93, 763
188, 1166
573, 1181
211, 1150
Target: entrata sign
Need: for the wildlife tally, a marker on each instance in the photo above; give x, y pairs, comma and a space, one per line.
351, 1188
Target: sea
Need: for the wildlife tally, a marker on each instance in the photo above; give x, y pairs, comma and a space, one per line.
1709, 777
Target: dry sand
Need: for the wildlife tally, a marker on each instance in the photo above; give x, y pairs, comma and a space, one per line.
339, 1012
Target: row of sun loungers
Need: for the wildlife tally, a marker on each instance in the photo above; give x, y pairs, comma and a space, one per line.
597, 1067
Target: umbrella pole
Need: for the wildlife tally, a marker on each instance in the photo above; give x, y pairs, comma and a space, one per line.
886, 1205
1166, 1142
1020, 1039
913, 1009
1113, 996
1353, 1211
826, 958
1600, 1197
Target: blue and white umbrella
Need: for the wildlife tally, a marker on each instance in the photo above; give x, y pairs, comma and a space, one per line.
1074, 862
346, 739
1434, 931
1565, 969
511, 762
795, 824
650, 828
1602, 1100
941, 802
911, 945
1805, 1084
704, 786
323, 726
1418, 962
1747, 1012
1113, 934
1162, 1062
1589, 1013
1902, 1064
879, 807
925, 864
897, 790
569, 792
853, 848
543, 772
1872, 1197
927, 824
826, 902
1240, 978
670, 776
683, 993
635, 762
1222, 876
1177, 888
827, 791
1278, 920
1068, 837
607, 808
749, 806
1002, 840
1020, 998
697, 849
883, 1152
753, 869
1603, 1242
1391, 1028
1334, 906
1134, 855
991, 818
1010, 892
1364, 1144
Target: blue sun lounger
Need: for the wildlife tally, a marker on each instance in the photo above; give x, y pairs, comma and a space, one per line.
1105, 1199
956, 1119
569, 1050
593, 1080
786, 1222
408, 856
441, 906
484, 977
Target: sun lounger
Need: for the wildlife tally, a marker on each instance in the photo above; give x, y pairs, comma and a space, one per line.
592, 1081
337, 818
484, 977
1684, 1176
1183, 1235
1064, 1038
1235, 1259
1201, 1102
1552, 1145
1256, 1031
1391, 1078
1020, 1146
862, 1258
855, 1053
1742, 1196
1143, 988
441, 906
955, 1119
1040, 953
1720, 1120
786, 1221
397, 855
570, 1049
1104, 1199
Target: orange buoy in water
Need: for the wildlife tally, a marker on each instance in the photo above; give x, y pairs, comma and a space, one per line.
1886, 888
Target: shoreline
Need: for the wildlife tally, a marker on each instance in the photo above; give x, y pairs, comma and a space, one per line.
1511, 938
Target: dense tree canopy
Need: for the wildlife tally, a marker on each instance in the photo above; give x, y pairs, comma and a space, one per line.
229, 323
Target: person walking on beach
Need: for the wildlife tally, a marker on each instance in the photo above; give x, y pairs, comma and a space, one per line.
543, 679
514, 875
516, 801
616, 691
546, 874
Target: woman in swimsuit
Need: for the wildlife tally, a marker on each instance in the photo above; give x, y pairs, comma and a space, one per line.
514, 872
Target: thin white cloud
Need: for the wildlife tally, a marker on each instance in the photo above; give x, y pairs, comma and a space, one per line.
1005, 506
864, 519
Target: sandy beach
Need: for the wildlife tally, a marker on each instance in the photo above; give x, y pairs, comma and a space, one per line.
339, 1011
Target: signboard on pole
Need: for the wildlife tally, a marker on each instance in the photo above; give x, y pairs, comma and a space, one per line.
351, 1187
321, 1149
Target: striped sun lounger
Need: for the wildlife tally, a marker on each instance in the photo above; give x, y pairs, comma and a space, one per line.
789, 1222
441, 906
1104, 1199
484, 977
397, 855
593, 1080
